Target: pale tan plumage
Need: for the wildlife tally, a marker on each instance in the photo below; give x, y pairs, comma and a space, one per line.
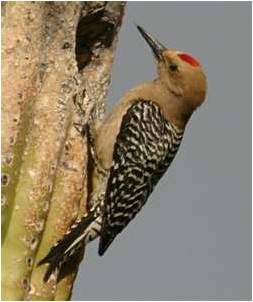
178, 93
134, 146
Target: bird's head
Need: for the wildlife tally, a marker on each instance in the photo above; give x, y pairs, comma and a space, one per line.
181, 73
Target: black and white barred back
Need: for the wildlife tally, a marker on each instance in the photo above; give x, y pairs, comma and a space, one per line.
144, 148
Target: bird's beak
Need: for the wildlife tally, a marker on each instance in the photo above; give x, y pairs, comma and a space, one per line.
156, 46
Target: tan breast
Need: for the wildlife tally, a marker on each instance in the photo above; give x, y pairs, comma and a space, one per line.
110, 127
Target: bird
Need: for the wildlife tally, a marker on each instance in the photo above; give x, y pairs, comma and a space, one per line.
133, 148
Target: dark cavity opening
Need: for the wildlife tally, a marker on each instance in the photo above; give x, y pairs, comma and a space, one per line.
93, 32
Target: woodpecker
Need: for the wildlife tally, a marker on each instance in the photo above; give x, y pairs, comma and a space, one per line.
133, 147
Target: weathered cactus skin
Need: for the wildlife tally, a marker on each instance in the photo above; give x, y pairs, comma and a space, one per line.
44, 175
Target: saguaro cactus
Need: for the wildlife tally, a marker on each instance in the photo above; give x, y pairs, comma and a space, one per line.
54, 54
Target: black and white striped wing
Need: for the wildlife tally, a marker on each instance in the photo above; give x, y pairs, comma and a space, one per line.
145, 146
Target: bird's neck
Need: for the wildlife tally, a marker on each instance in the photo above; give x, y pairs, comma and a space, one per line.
172, 106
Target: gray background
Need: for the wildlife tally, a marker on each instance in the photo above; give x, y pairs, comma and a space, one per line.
192, 240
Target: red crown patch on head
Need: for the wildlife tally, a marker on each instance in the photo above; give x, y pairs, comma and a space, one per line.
189, 59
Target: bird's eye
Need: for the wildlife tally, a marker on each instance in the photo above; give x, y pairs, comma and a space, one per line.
173, 67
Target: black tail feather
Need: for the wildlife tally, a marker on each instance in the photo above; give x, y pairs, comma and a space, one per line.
48, 273
60, 253
105, 241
